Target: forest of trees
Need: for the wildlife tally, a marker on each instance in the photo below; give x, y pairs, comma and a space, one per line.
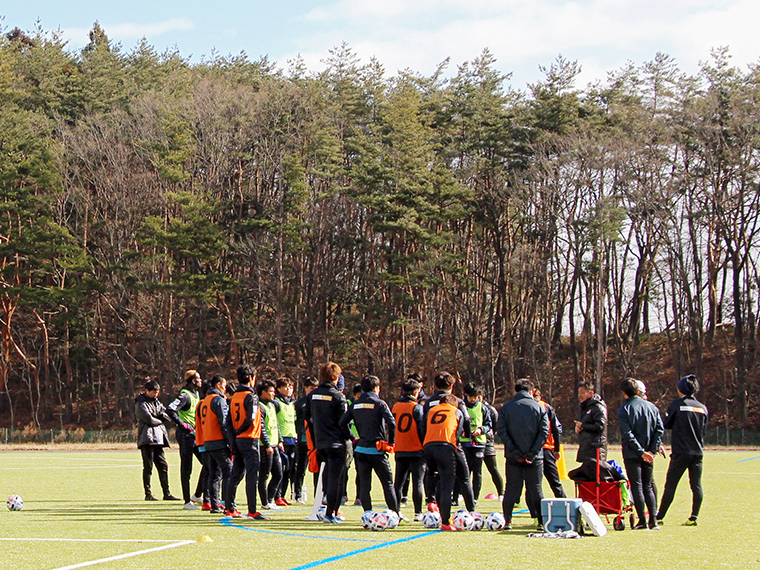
158, 215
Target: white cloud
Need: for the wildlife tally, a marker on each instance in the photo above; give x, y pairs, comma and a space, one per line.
601, 34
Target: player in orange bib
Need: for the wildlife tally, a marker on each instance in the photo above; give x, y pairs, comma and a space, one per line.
444, 426
217, 439
246, 423
410, 433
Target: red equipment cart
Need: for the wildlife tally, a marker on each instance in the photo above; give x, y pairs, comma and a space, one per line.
606, 497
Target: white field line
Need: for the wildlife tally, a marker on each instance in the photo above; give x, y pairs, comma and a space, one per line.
178, 542
73, 456
67, 467
128, 555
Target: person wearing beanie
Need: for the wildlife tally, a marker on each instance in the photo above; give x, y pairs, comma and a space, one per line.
687, 418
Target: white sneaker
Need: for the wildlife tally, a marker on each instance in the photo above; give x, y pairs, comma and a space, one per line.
417, 517
300, 502
196, 499
272, 507
191, 507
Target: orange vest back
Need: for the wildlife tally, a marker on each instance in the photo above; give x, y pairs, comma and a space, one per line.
407, 436
212, 431
237, 414
550, 439
442, 424
199, 441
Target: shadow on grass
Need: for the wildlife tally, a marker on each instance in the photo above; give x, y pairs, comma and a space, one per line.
130, 513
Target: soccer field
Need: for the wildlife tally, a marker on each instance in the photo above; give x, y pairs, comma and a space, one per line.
85, 509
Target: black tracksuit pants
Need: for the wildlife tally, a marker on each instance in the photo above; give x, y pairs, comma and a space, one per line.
288, 459
462, 484
530, 474
270, 464
640, 476
679, 464
442, 459
246, 463
188, 450
367, 463
414, 467
493, 469
474, 456
219, 471
551, 473
154, 454
333, 476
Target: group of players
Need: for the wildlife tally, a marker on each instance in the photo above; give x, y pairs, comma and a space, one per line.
258, 432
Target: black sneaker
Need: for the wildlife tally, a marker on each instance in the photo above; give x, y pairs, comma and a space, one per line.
641, 526
150, 497
217, 510
171, 497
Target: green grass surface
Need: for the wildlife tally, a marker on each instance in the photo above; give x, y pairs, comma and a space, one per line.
96, 498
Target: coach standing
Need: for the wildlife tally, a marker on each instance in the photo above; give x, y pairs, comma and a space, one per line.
591, 425
688, 419
641, 432
523, 427
152, 438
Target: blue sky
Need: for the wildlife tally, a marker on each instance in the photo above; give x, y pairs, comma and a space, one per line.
418, 34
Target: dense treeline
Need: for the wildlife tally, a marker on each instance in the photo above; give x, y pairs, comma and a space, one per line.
157, 215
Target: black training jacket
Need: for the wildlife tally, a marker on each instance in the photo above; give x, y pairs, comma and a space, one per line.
373, 420
325, 406
688, 419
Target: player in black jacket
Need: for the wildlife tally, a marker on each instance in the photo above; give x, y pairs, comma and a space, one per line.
376, 426
688, 419
326, 406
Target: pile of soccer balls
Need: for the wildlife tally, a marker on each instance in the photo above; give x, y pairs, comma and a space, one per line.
372, 520
15, 503
465, 520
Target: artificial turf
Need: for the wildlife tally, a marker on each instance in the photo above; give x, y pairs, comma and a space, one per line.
83, 506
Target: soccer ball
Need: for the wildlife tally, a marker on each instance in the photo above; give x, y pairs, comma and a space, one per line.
462, 520
495, 521
321, 512
431, 519
478, 520
393, 518
379, 522
367, 519
15, 503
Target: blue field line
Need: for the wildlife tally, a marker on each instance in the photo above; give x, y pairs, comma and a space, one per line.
750, 459
363, 550
227, 521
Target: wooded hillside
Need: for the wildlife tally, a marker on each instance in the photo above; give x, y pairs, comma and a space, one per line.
157, 215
